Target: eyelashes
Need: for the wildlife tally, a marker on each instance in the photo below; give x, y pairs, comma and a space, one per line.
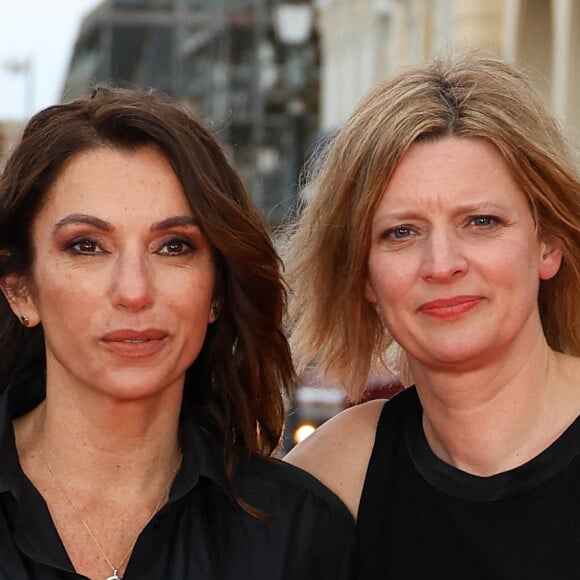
479, 223
398, 233
177, 246
485, 221
169, 246
84, 246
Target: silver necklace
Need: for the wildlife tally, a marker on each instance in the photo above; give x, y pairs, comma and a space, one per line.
115, 569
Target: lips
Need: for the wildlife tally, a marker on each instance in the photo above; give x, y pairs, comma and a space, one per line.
134, 343
450, 308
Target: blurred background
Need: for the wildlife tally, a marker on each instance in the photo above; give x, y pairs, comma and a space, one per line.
272, 77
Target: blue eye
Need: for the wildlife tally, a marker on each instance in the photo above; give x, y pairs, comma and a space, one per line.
401, 232
484, 221
397, 233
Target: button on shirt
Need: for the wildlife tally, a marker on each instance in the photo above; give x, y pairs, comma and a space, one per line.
201, 533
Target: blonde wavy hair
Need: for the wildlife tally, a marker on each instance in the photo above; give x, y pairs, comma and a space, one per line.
473, 95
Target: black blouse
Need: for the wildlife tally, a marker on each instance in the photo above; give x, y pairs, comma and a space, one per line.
201, 533
422, 518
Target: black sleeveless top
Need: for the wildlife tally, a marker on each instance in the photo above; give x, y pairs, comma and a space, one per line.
420, 518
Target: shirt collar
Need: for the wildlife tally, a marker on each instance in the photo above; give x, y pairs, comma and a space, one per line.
202, 458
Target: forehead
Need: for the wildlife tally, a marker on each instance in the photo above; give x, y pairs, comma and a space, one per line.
115, 182
453, 169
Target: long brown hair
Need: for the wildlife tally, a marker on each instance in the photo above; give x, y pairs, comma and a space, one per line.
237, 382
471, 95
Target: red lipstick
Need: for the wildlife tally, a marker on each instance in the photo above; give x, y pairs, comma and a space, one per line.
450, 308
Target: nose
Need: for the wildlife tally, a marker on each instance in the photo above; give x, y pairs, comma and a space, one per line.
132, 283
444, 259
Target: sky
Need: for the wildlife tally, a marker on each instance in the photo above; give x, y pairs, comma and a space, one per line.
41, 33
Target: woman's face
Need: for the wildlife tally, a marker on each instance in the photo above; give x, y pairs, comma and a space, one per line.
123, 278
454, 263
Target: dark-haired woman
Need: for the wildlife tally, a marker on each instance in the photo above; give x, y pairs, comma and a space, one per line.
143, 361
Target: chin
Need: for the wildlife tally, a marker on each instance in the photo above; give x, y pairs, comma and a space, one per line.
135, 386
456, 353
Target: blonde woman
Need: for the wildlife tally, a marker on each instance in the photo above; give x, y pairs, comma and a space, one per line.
445, 220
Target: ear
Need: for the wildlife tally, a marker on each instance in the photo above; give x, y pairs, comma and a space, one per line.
214, 311
370, 293
550, 259
17, 292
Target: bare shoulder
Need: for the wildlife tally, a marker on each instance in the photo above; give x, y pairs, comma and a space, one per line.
338, 452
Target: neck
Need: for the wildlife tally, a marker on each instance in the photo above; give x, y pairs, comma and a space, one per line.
104, 471
498, 416
124, 448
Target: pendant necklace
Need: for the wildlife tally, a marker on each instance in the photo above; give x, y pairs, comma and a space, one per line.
119, 566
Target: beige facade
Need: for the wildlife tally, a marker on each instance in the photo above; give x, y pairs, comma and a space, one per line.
364, 41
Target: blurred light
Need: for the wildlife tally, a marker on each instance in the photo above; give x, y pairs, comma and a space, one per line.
267, 159
303, 431
293, 22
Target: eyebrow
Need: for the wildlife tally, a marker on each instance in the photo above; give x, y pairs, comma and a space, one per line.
175, 222
468, 208
80, 218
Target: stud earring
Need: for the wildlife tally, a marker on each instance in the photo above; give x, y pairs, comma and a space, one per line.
214, 311
24, 320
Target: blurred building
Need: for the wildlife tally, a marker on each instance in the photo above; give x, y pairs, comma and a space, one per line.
10, 132
363, 41
228, 59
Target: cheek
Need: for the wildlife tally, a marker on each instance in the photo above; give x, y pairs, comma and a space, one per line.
388, 280
514, 267
193, 299
67, 298
391, 286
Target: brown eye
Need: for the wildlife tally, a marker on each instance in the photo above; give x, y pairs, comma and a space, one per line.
176, 247
84, 246
87, 246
